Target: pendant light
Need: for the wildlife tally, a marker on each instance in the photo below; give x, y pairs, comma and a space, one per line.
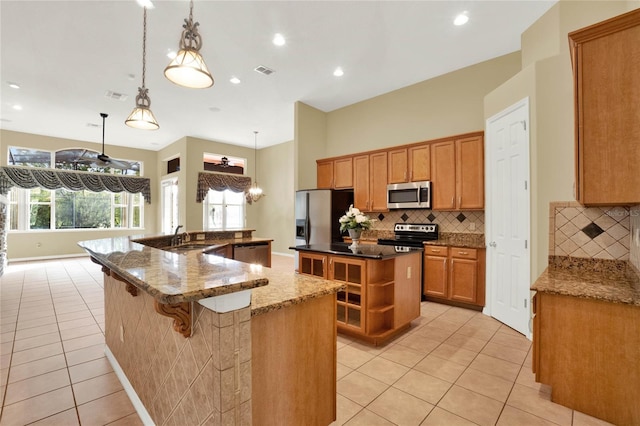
141, 117
188, 69
255, 192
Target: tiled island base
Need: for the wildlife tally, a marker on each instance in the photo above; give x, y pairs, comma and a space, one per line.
200, 379
275, 367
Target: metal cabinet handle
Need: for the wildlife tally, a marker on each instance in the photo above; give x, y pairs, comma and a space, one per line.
453, 201
459, 201
463, 252
435, 251
405, 175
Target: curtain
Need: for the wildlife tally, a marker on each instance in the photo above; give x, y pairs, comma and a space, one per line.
220, 182
27, 177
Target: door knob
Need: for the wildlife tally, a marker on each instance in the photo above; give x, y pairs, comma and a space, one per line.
493, 244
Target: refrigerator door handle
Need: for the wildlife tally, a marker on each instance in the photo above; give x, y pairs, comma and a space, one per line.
307, 224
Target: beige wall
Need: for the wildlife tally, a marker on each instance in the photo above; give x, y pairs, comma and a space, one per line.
275, 216
310, 138
443, 106
21, 245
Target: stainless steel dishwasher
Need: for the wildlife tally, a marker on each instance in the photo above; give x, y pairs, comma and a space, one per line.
252, 253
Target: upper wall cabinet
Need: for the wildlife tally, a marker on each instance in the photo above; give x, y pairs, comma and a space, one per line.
606, 70
412, 164
457, 174
370, 182
335, 174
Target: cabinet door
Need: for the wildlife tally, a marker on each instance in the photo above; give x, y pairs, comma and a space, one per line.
361, 182
606, 60
324, 175
343, 173
350, 302
312, 264
435, 276
398, 170
443, 175
470, 173
420, 163
378, 182
463, 280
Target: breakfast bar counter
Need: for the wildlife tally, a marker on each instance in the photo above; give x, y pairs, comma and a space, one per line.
198, 338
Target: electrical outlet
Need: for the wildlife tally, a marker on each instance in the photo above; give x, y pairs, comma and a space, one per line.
200, 237
238, 235
408, 272
122, 333
38, 244
472, 226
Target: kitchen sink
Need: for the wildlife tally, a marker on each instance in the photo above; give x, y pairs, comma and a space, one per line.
189, 247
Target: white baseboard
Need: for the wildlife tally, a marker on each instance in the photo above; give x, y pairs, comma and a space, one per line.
133, 396
58, 256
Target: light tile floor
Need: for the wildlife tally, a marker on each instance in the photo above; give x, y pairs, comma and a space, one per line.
454, 367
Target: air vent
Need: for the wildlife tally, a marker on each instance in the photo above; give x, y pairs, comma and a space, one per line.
264, 70
93, 125
5, 120
115, 96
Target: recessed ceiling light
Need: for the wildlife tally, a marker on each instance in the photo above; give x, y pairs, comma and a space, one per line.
13, 85
234, 80
17, 107
461, 19
279, 40
214, 109
145, 3
171, 54
338, 72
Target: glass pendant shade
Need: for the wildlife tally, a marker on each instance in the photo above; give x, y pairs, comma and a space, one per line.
142, 118
255, 192
188, 69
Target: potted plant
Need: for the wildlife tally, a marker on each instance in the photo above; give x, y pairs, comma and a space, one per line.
354, 221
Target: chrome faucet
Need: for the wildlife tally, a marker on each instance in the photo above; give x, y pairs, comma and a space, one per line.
176, 239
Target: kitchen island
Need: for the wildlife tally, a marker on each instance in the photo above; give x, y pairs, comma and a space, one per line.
198, 338
586, 336
382, 290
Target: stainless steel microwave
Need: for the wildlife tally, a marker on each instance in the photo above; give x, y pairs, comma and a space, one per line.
412, 195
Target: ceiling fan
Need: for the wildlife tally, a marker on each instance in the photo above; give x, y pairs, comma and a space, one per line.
102, 159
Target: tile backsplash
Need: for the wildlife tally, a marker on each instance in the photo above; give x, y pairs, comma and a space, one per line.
590, 232
459, 221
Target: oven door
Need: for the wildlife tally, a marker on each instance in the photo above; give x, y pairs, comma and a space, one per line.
412, 195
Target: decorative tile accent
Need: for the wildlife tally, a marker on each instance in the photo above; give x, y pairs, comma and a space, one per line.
380, 217
589, 232
461, 217
446, 220
592, 230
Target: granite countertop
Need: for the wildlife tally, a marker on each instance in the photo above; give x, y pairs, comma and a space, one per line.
454, 239
288, 288
610, 281
172, 277
367, 251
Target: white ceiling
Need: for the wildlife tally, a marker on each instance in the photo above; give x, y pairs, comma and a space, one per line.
66, 54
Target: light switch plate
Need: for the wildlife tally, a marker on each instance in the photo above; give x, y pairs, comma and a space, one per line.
199, 237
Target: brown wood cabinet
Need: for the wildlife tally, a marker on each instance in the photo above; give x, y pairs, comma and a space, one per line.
381, 297
370, 182
334, 174
587, 350
606, 70
411, 164
455, 274
457, 174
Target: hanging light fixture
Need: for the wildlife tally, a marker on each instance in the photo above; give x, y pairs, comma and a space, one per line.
188, 68
141, 117
255, 192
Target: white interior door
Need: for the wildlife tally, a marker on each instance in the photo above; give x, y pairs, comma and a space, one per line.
508, 216
170, 206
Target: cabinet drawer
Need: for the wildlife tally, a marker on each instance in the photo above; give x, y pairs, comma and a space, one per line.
464, 253
436, 250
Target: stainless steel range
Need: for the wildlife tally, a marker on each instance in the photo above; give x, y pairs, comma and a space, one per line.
409, 235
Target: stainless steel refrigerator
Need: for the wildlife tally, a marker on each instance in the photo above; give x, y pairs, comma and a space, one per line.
317, 212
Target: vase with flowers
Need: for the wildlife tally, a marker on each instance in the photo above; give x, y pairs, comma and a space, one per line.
354, 221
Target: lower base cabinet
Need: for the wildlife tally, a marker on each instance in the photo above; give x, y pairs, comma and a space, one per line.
454, 274
588, 351
381, 297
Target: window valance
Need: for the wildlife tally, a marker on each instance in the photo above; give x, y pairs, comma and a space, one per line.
27, 177
220, 182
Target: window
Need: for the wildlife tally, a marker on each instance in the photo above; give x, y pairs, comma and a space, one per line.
40, 209
223, 164
170, 205
223, 210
